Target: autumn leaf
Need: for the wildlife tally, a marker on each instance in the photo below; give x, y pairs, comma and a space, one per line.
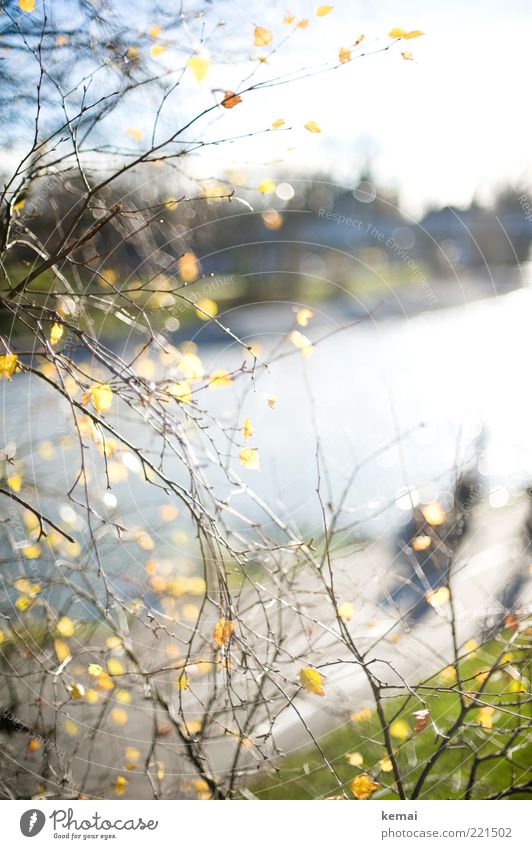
433, 513
220, 378
312, 681
134, 133
363, 786
321, 11
386, 765
303, 316
26, 5
156, 50
249, 457
438, 597
303, 24
301, 342
345, 611
422, 719
115, 666
62, 650
230, 100
344, 55
94, 670
76, 691
448, 674
188, 267
181, 391
398, 32
288, 19
406, 54
182, 681
261, 37
56, 333
223, 631
485, 717
100, 395
120, 784
199, 66
415, 33
354, 759
267, 187
65, 627
400, 729
271, 400
421, 542
312, 127
362, 715
119, 716
8, 364
206, 309
359, 39
278, 123
247, 430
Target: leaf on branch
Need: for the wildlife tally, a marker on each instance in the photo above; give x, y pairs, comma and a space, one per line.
398, 32
267, 187
302, 343
312, 681
363, 786
261, 37
199, 66
485, 717
223, 631
278, 123
303, 24
359, 39
345, 611
422, 720
344, 55
321, 11
312, 127
220, 378
421, 542
249, 457
8, 364
188, 267
247, 430
206, 309
100, 395
56, 333
386, 765
231, 100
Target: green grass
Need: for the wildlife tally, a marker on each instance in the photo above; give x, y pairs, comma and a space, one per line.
304, 776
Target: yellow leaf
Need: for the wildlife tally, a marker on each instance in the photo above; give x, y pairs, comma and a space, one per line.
206, 309
8, 364
438, 597
113, 642
363, 786
101, 396
61, 40
421, 543
181, 391
157, 49
231, 100
76, 691
433, 513
321, 11
182, 681
288, 19
65, 627
312, 681
132, 754
359, 39
485, 717
92, 697
448, 674
222, 632
415, 33
22, 603
406, 54
301, 343
71, 727
14, 482
470, 646
56, 333
188, 267
105, 682
386, 765
199, 67
302, 24
115, 666
134, 133
345, 611
267, 187
249, 457
312, 127
303, 316
397, 32
354, 759
220, 378
154, 31
124, 697
362, 715
271, 400
278, 123
33, 745
247, 430
26, 5
344, 55
400, 729
119, 716
120, 784
62, 650
261, 37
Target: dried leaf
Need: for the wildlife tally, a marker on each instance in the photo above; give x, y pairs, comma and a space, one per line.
223, 631
363, 786
422, 720
344, 55
231, 99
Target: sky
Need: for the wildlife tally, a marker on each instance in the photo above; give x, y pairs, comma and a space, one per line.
452, 123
